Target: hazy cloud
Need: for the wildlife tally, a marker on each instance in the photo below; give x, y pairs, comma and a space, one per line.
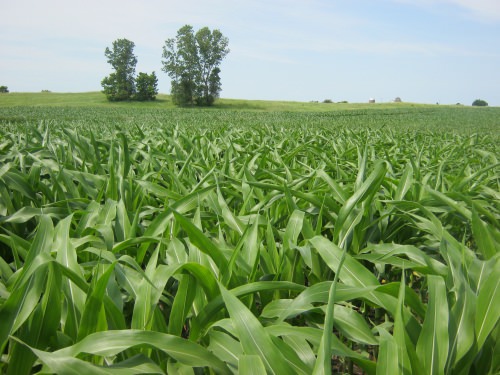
486, 10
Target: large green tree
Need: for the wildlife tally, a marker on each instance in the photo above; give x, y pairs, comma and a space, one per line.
192, 62
120, 85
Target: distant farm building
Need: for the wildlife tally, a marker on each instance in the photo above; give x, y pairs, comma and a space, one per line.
371, 100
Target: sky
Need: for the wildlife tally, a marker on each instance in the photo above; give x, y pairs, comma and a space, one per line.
424, 51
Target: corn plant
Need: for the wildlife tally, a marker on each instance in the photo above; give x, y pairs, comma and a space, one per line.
218, 242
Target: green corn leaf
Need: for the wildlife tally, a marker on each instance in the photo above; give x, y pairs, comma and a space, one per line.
93, 318
366, 190
41, 244
462, 315
199, 239
362, 167
461, 325
447, 201
26, 290
412, 299
176, 252
317, 293
120, 247
483, 234
433, 343
42, 327
18, 182
225, 347
250, 246
157, 190
124, 156
138, 364
323, 361
301, 347
352, 325
160, 224
203, 276
488, 306
387, 253
5, 168
404, 183
232, 221
387, 360
148, 291
355, 274
400, 336
352, 273
338, 192
250, 365
27, 213
122, 225
182, 304
293, 229
294, 357
110, 343
315, 335
19, 306
253, 337
213, 307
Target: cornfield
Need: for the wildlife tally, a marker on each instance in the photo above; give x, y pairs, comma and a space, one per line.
218, 242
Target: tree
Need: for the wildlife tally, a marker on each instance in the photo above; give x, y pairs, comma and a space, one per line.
120, 85
146, 86
192, 62
480, 103
4, 89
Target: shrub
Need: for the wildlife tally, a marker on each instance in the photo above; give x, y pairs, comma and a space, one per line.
146, 87
117, 89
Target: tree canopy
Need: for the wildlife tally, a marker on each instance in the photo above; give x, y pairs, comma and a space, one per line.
192, 62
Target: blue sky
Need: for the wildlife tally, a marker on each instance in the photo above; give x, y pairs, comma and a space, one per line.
426, 51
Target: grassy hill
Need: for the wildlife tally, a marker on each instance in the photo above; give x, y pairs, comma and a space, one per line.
97, 99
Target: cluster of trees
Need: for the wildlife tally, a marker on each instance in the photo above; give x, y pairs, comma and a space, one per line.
122, 84
191, 60
480, 103
4, 89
